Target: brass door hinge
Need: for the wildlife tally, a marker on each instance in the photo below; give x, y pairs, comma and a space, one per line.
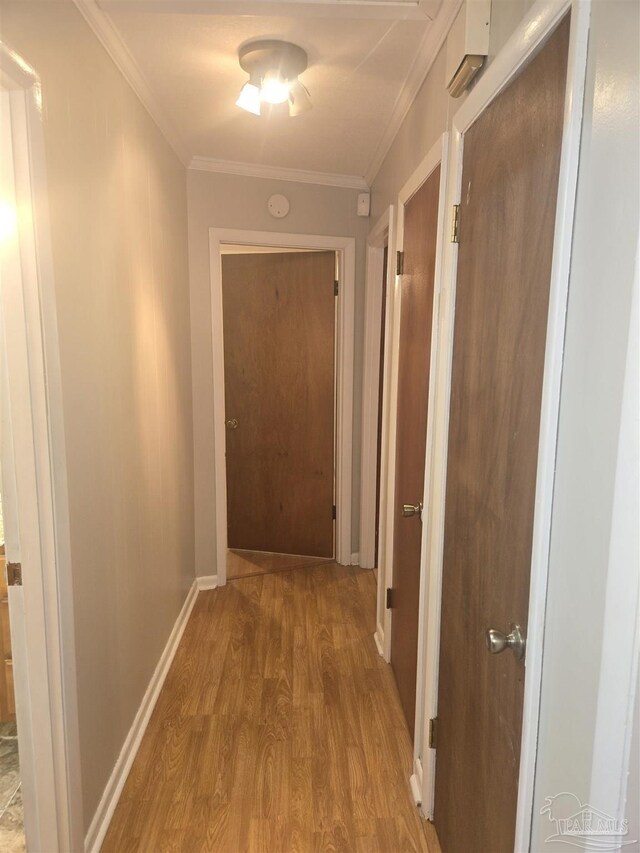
336, 287
399, 263
14, 574
433, 732
455, 224
334, 512
389, 600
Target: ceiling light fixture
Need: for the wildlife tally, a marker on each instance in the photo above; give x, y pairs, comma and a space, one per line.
273, 68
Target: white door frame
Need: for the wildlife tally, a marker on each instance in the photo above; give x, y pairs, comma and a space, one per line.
533, 30
377, 240
617, 688
345, 248
437, 156
34, 480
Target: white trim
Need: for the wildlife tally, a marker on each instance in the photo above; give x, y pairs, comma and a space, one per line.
109, 800
617, 688
277, 173
36, 499
387, 454
388, 439
345, 247
529, 35
355, 559
207, 582
418, 177
376, 242
415, 781
392, 10
378, 638
425, 57
110, 38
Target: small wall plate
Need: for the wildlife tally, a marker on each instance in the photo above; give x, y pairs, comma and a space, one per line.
278, 206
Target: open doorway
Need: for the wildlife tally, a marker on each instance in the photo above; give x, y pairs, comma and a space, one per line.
37, 658
282, 323
279, 320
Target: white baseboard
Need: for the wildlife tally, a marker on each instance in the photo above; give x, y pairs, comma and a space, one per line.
207, 582
355, 559
106, 807
416, 782
379, 638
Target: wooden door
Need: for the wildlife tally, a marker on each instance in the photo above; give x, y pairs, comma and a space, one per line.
279, 319
507, 215
416, 313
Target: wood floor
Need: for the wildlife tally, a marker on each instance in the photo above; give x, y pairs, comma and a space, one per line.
243, 564
278, 729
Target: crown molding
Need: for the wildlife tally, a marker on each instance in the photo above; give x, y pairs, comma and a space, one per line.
113, 43
427, 52
255, 170
391, 10
115, 46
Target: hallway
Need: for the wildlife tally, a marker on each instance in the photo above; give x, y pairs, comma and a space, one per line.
279, 728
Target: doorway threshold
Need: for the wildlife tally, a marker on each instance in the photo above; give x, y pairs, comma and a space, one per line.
244, 564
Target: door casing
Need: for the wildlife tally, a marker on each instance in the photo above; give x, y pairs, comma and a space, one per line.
377, 240
531, 33
345, 248
35, 504
437, 155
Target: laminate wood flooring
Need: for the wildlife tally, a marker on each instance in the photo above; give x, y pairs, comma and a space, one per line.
279, 728
242, 564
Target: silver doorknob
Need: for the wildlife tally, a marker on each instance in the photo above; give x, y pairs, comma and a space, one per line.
409, 510
497, 641
232, 423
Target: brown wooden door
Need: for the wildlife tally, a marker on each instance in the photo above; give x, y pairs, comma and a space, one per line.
416, 313
507, 213
279, 319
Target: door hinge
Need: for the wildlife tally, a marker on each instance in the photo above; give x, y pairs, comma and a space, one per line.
14, 574
336, 287
455, 224
334, 513
433, 732
399, 263
389, 601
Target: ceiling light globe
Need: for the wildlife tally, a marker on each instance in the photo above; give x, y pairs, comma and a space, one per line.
249, 99
274, 89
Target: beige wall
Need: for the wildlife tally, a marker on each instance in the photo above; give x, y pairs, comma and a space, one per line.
231, 201
118, 218
432, 110
597, 335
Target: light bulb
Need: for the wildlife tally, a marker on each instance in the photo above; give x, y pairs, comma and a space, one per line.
249, 99
274, 89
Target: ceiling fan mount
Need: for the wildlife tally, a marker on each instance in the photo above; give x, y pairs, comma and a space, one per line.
259, 57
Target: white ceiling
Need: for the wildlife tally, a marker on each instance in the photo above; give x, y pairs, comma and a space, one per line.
363, 57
